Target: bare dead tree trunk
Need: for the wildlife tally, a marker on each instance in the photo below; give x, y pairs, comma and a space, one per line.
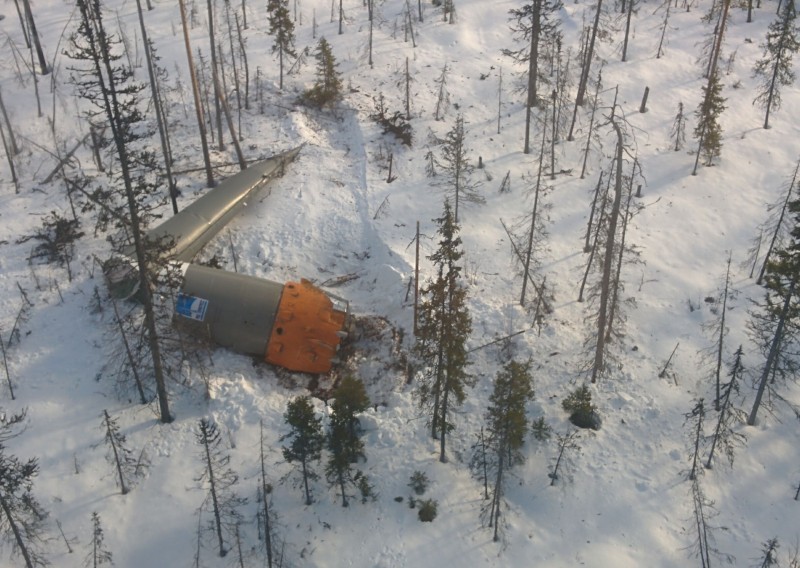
627, 31
244, 62
616, 282
587, 247
15, 149
129, 354
265, 491
35, 37
605, 285
229, 119
215, 79
534, 215
159, 110
587, 64
112, 441
196, 92
10, 159
721, 337
5, 366
24, 27
591, 122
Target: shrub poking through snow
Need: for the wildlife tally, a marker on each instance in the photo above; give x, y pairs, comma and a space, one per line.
582, 413
427, 510
419, 482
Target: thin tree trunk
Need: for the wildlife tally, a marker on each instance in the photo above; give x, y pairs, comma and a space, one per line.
627, 31
5, 366
443, 419
534, 214
15, 149
498, 495
772, 356
235, 140
159, 111
532, 70
244, 63
591, 122
35, 37
593, 250
10, 159
615, 294
587, 247
212, 483
129, 353
217, 99
116, 454
17, 534
265, 503
113, 112
720, 421
24, 27
721, 338
587, 64
605, 285
697, 436
196, 92
305, 482
779, 223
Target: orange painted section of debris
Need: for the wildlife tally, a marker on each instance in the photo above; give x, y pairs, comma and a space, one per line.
305, 336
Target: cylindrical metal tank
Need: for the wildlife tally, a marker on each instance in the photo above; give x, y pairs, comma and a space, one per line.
294, 325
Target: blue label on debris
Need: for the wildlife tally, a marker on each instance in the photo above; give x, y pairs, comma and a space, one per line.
191, 307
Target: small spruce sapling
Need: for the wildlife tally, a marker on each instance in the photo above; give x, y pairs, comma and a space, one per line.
418, 482
98, 554
427, 510
583, 413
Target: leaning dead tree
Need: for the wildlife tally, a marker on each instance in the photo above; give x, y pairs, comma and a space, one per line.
605, 286
198, 107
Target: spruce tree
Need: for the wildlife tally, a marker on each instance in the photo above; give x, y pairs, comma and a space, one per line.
774, 69
774, 324
305, 440
119, 455
444, 325
327, 88
725, 435
128, 193
343, 441
98, 554
708, 130
678, 130
21, 516
457, 169
220, 480
507, 427
695, 420
281, 27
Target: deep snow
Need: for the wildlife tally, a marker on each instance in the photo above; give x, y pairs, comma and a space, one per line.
624, 502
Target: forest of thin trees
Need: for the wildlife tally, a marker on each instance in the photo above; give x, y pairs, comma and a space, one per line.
132, 128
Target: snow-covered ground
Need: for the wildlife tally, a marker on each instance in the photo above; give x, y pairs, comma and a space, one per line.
625, 501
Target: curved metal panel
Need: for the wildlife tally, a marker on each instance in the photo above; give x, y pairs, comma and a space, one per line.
233, 310
193, 227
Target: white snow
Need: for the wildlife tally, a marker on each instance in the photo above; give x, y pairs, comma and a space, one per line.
625, 501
